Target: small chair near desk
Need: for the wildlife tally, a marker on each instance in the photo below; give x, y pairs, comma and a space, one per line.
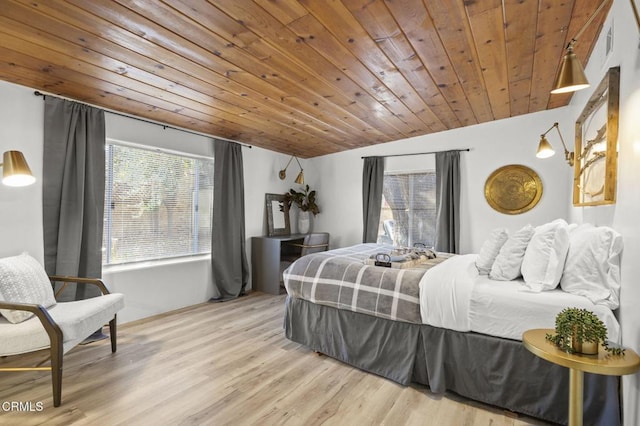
270, 255
312, 243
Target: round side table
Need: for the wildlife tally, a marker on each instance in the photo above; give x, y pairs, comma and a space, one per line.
602, 363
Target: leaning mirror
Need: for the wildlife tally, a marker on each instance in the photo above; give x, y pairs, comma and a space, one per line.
277, 215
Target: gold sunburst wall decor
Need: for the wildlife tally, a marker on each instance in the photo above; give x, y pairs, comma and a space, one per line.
513, 189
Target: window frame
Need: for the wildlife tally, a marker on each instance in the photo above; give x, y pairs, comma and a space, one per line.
106, 245
411, 201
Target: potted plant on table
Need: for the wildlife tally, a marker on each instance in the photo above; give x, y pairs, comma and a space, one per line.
305, 200
581, 331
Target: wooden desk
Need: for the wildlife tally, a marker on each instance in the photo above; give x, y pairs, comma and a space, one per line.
266, 253
602, 363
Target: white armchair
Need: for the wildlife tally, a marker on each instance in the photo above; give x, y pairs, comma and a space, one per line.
32, 320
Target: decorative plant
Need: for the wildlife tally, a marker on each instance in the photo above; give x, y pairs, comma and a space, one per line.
582, 326
304, 199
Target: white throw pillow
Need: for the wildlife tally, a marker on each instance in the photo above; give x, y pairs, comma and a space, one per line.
490, 250
592, 268
546, 253
23, 280
506, 267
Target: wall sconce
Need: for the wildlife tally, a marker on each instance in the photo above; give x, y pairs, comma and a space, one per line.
16, 171
545, 150
282, 174
571, 76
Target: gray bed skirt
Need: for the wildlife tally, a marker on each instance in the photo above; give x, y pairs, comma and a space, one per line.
488, 369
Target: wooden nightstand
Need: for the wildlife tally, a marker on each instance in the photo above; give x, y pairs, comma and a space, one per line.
602, 363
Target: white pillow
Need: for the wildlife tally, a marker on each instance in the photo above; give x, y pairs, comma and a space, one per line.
543, 261
490, 250
592, 269
506, 267
23, 280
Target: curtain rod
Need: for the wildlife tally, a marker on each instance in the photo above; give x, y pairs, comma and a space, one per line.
416, 153
164, 126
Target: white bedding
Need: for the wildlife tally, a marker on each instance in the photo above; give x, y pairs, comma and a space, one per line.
454, 296
445, 292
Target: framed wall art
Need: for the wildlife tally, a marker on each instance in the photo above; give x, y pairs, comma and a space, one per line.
596, 147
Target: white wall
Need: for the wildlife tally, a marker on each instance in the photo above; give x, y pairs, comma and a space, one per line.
21, 114
624, 215
493, 145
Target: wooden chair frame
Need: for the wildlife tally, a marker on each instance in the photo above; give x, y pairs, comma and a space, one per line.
304, 247
55, 333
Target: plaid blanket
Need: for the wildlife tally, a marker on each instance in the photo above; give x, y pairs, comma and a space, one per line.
341, 279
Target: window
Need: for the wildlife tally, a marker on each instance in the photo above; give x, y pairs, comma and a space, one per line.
157, 204
408, 213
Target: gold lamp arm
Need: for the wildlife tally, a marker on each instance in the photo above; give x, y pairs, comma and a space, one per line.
568, 155
590, 20
282, 174
635, 13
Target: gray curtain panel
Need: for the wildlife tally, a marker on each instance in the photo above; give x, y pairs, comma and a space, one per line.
73, 192
372, 180
448, 201
228, 252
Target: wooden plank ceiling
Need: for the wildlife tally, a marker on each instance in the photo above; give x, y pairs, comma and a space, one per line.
307, 77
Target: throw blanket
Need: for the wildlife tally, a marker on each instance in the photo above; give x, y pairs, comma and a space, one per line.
341, 279
445, 293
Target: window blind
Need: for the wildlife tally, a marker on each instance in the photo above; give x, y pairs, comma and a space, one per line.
157, 204
408, 211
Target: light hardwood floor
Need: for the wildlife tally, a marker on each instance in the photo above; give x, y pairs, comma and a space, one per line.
226, 364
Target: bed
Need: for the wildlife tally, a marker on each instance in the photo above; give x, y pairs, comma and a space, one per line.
443, 325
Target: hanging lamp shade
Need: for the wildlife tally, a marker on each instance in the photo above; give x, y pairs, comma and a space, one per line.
15, 170
545, 150
300, 179
571, 76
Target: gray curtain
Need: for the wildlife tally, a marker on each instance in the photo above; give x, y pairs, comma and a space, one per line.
448, 201
372, 180
73, 192
228, 252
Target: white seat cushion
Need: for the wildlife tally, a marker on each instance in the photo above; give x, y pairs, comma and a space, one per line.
24, 280
77, 320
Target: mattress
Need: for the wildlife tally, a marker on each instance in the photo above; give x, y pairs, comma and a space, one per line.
454, 296
507, 309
